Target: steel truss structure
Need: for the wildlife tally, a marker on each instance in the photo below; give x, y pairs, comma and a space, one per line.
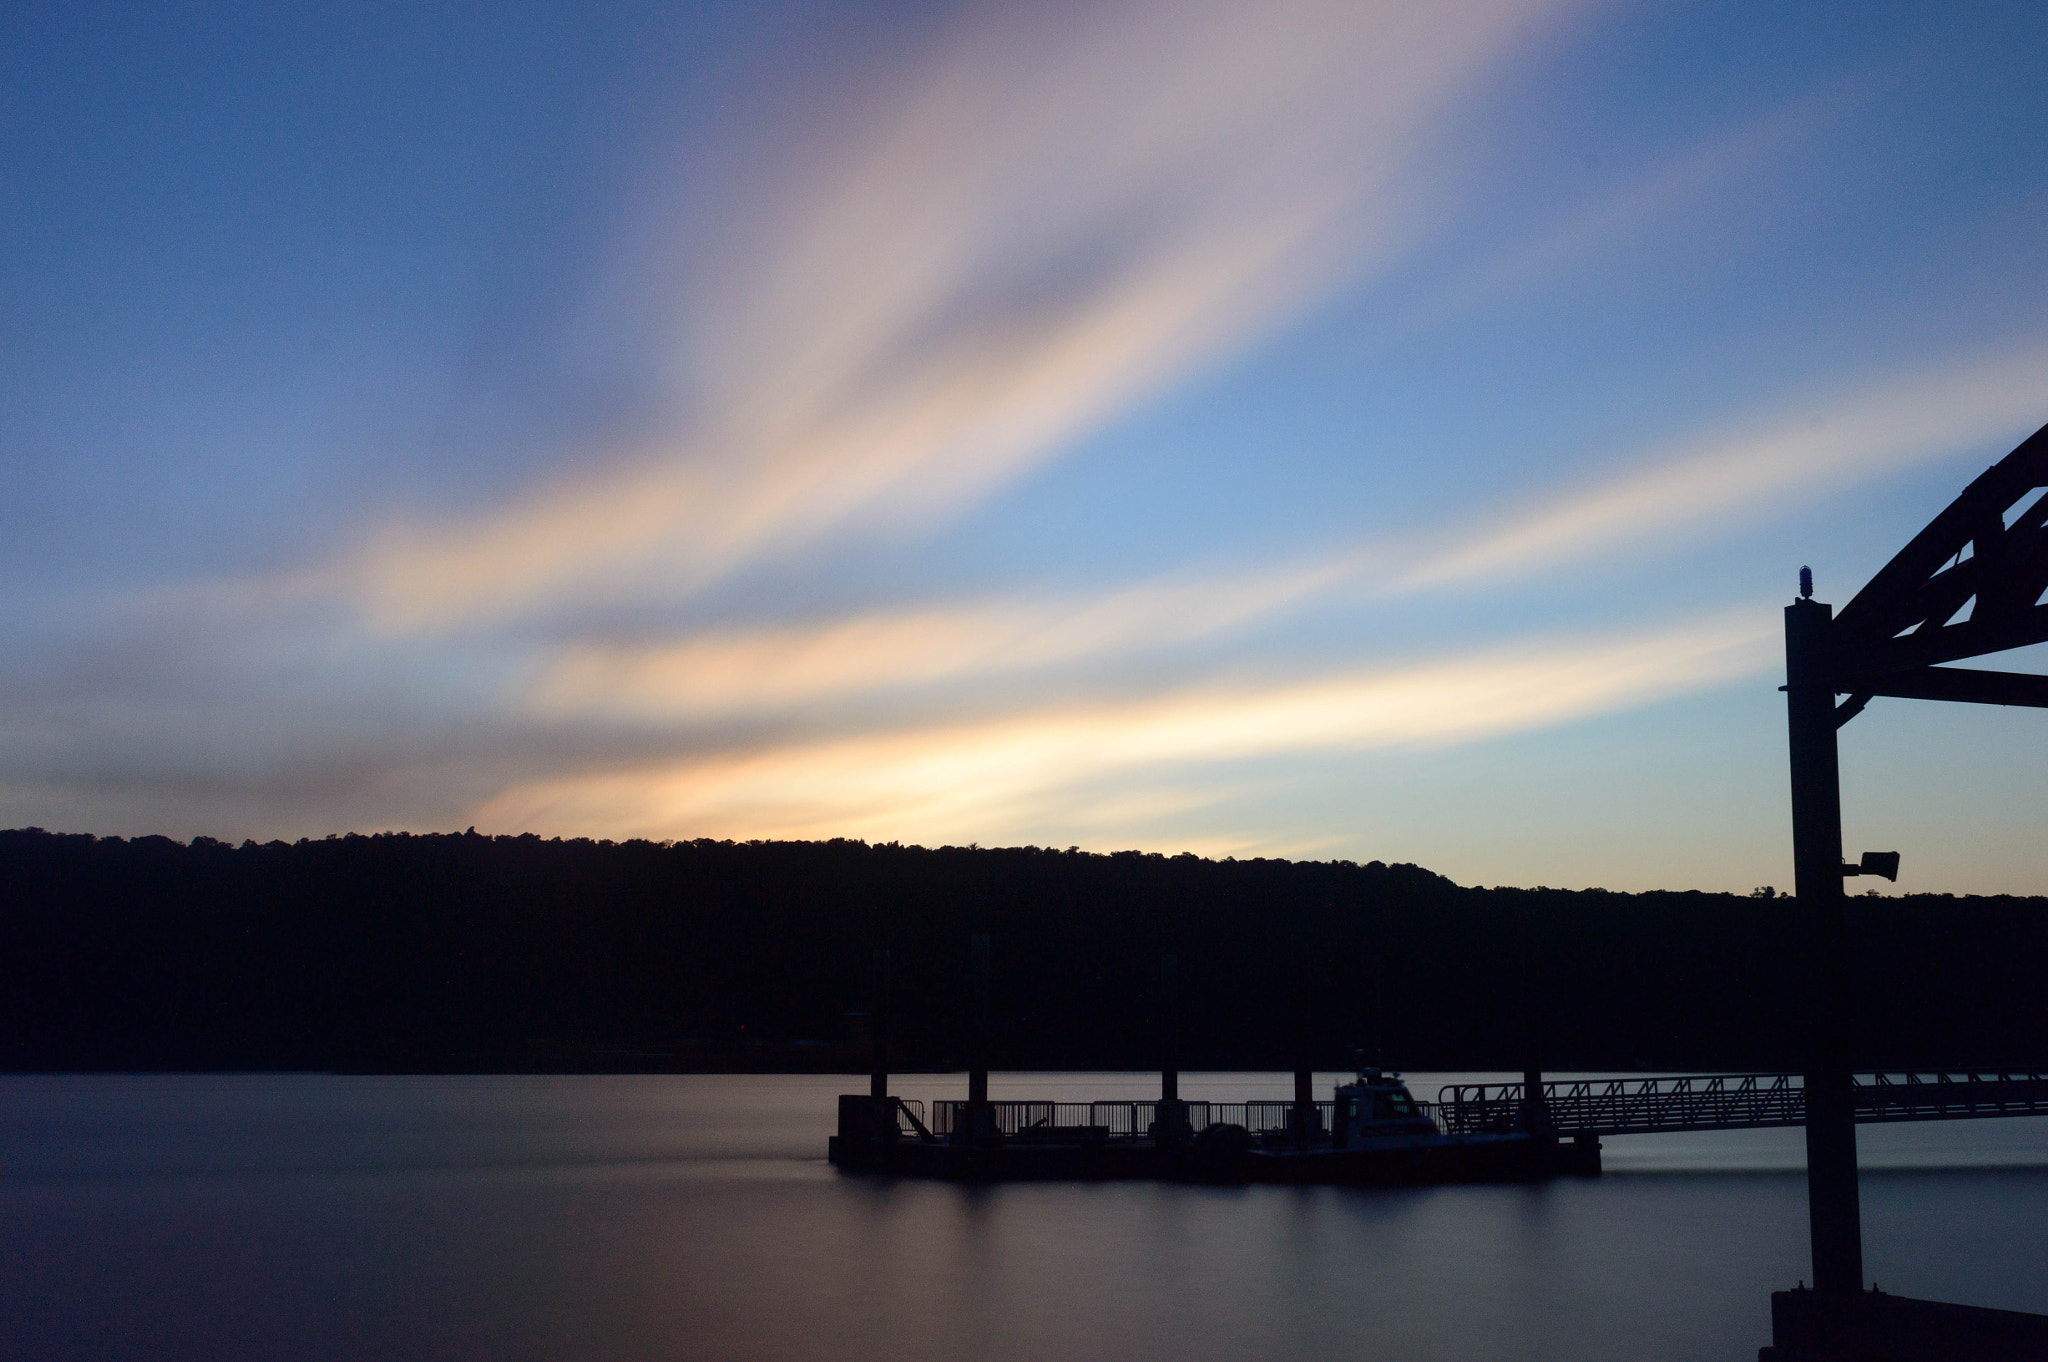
1971, 583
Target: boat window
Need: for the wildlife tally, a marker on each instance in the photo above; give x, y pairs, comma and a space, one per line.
1387, 1105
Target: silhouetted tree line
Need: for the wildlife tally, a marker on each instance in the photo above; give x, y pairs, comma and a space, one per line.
464, 952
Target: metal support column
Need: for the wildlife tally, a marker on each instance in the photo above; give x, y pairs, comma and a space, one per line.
1536, 1111
1172, 1123
878, 1030
1169, 1028
1817, 869
1304, 1075
977, 1072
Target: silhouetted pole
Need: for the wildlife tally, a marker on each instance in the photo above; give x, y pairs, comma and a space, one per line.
1535, 1111
1169, 1028
1817, 870
1379, 1011
977, 1073
1304, 1076
878, 1034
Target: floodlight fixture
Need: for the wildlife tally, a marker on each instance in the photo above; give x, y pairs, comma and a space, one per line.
1885, 863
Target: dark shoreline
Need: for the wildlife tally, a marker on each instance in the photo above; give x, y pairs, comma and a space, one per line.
400, 953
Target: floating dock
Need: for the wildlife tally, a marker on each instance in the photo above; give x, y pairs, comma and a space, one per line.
1336, 1141
1370, 1131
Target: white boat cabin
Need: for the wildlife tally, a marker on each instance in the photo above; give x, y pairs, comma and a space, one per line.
1378, 1110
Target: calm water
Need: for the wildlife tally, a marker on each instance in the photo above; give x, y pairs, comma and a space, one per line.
695, 1217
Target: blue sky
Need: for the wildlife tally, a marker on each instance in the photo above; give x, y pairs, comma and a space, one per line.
1312, 429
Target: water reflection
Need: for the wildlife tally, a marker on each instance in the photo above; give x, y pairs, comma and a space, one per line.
327, 1217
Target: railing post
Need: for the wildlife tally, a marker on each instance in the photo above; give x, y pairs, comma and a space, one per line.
1817, 870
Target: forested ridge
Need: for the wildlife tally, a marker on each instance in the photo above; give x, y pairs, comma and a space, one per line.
464, 952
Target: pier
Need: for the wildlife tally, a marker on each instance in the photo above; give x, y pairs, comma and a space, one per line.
1492, 1131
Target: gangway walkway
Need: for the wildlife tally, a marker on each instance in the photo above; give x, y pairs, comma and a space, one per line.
1643, 1106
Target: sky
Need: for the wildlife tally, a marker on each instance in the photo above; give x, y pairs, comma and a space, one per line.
1322, 429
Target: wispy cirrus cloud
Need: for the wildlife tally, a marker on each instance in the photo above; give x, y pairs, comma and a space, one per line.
1053, 213
958, 780
1046, 218
1012, 766
723, 671
1633, 206
1692, 487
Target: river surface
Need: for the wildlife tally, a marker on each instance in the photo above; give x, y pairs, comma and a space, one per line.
315, 1217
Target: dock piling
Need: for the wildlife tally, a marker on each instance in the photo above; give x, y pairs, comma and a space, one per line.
1536, 1111
878, 1030
981, 1116
1171, 1123
1169, 1003
1304, 1072
977, 1071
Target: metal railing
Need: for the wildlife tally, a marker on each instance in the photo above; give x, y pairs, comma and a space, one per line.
1951, 1095
913, 1109
1128, 1120
1635, 1106
1103, 1120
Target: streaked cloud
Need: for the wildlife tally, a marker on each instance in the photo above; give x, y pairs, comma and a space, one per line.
1877, 429
1633, 206
1695, 487
1050, 216
261, 683
871, 280
956, 781
722, 671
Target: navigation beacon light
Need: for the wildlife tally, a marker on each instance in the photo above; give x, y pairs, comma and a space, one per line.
1806, 583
